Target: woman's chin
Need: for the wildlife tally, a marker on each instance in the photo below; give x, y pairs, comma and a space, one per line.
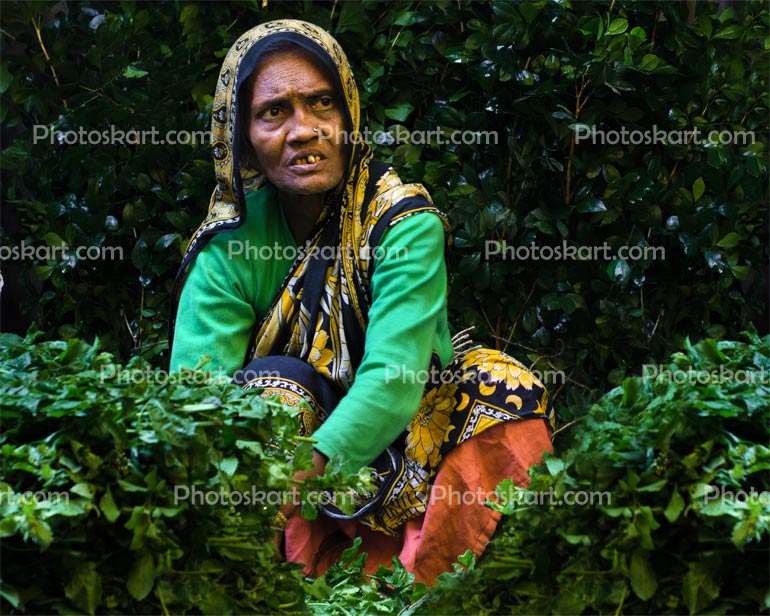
306, 185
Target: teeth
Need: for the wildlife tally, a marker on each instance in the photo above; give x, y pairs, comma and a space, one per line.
311, 159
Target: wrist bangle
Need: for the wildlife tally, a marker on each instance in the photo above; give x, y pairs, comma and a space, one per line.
280, 521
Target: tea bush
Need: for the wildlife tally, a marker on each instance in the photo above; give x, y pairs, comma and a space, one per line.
128, 490
658, 504
682, 453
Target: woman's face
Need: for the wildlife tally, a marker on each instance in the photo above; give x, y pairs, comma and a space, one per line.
290, 96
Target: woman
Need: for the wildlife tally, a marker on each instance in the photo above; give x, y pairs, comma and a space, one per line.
318, 276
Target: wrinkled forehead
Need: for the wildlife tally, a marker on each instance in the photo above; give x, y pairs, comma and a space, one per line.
322, 49
268, 75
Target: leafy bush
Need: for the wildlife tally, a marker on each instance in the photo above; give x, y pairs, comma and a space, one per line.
126, 490
532, 73
682, 455
686, 527
540, 72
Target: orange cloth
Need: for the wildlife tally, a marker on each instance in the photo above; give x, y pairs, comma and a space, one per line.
456, 518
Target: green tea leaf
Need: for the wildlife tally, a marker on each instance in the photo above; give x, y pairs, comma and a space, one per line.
591, 205
400, 112
554, 465
10, 594
141, 578
108, 507
729, 241
617, 26
132, 72
675, 506
228, 466
732, 31
84, 587
643, 579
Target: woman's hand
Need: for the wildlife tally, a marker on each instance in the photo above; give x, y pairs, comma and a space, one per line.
293, 506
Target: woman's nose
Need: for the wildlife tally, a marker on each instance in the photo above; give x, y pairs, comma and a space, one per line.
302, 125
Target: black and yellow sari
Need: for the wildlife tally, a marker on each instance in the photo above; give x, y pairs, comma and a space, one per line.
314, 334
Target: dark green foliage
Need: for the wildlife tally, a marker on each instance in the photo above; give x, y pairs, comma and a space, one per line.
529, 73
99, 463
674, 477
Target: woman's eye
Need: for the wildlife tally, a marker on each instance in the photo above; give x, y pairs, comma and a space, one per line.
269, 113
325, 102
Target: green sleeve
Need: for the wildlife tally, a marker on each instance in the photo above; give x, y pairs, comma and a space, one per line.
214, 315
407, 321
230, 288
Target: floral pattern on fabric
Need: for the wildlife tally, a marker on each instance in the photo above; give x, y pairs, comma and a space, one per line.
427, 430
487, 388
320, 355
497, 368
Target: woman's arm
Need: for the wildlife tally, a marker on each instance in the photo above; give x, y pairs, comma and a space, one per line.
214, 316
409, 286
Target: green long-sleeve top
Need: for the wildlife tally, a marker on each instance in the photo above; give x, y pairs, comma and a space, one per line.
228, 291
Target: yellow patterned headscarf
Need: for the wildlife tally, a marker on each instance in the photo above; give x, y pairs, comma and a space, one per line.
353, 201
226, 204
234, 178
